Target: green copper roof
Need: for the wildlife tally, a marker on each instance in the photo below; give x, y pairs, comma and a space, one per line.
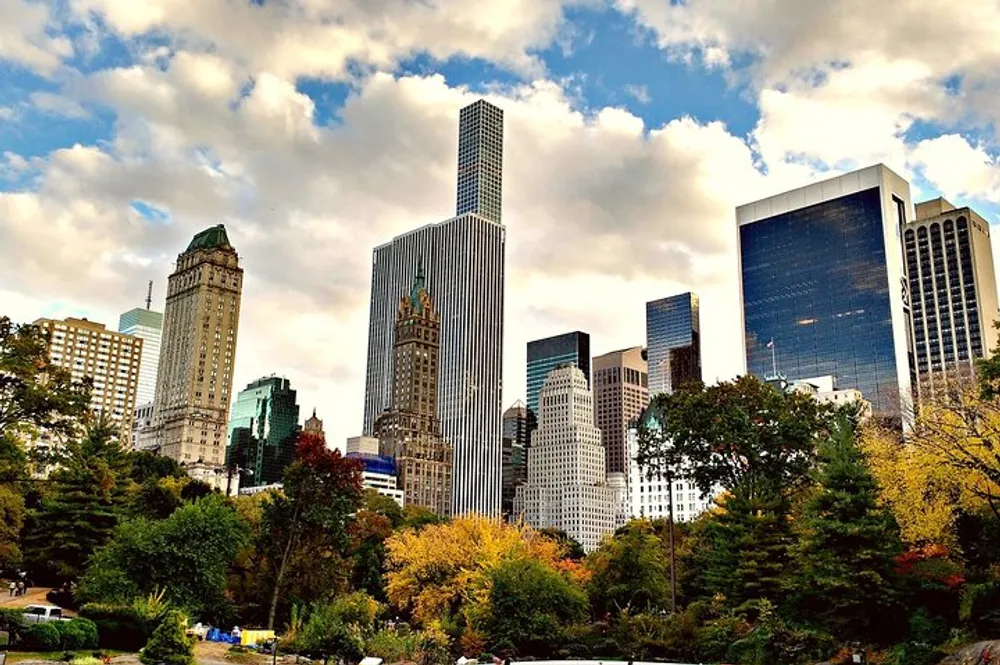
210, 239
418, 286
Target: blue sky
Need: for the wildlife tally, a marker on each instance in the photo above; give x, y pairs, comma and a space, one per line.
316, 130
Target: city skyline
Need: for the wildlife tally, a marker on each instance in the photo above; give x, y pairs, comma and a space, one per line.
617, 188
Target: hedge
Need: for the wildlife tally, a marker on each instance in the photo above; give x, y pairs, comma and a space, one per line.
119, 627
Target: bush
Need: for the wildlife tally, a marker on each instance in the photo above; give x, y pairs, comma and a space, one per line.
12, 623
78, 634
169, 645
43, 637
914, 653
119, 626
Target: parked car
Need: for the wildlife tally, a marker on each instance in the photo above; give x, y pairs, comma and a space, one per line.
43, 614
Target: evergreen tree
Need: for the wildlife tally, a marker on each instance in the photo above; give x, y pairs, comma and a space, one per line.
169, 645
847, 546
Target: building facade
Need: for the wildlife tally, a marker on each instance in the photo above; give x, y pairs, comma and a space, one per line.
198, 350
544, 355
567, 487
949, 264
673, 342
464, 268
516, 435
147, 325
410, 431
823, 286
379, 473
113, 360
480, 161
621, 394
314, 425
649, 493
142, 427
263, 431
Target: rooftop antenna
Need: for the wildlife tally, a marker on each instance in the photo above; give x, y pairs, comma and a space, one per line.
149, 295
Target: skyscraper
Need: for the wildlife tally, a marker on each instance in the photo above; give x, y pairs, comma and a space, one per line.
480, 161
516, 436
673, 342
567, 486
113, 360
148, 325
544, 355
410, 431
314, 425
464, 269
621, 393
263, 430
198, 349
823, 285
949, 264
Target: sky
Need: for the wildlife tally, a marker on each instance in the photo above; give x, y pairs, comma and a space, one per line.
317, 129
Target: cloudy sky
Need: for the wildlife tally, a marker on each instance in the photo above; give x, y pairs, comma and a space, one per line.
316, 129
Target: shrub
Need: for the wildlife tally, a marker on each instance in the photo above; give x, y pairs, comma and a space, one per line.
393, 646
12, 622
78, 634
119, 626
169, 645
43, 637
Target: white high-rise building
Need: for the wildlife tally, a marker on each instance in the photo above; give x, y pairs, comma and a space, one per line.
567, 486
649, 494
148, 325
463, 259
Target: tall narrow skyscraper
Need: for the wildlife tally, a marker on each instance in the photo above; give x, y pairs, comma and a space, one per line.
823, 286
200, 323
148, 325
621, 394
673, 342
463, 259
544, 355
949, 264
480, 161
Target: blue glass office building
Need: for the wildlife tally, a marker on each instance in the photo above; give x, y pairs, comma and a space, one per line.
673, 342
544, 355
822, 275
263, 431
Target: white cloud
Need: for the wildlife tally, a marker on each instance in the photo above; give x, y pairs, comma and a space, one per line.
639, 92
958, 168
24, 38
48, 102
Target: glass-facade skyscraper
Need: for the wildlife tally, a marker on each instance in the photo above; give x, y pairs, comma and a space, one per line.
823, 286
673, 342
480, 161
463, 259
544, 355
263, 428
147, 325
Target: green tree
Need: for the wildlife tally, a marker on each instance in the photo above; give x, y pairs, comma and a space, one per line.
847, 546
630, 571
574, 550
304, 537
169, 645
338, 629
529, 607
145, 466
417, 517
81, 512
368, 532
188, 554
382, 505
988, 372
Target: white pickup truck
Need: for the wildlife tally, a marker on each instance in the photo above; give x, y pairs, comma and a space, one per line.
42, 614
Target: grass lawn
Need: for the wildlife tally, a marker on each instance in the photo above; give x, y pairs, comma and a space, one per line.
19, 656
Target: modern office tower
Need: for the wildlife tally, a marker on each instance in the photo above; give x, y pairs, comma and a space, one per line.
621, 393
379, 473
480, 161
198, 349
567, 486
949, 263
673, 342
113, 360
516, 436
464, 261
148, 325
544, 355
314, 426
410, 431
823, 286
263, 431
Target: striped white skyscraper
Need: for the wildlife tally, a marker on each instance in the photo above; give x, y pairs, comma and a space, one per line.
463, 259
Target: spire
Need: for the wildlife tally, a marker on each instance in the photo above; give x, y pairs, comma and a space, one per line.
418, 286
149, 295
314, 412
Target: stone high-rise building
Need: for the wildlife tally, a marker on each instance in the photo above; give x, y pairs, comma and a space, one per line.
621, 393
198, 350
113, 360
410, 431
567, 486
314, 426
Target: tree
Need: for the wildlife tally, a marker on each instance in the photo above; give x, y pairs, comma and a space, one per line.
847, 546
169, 644
308, 522
147, 466
630, 572
441, 572
156, 499
530, 604
80, 514
736, 434
988, 373
417, 517
382, 505
368, 533
339, 628
188, 554
571, 547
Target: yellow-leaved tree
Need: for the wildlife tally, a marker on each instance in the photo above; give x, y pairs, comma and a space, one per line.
948, 463
441, 573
